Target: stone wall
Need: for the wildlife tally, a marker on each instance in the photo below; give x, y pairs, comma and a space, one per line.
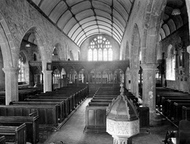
20, 17
182, 80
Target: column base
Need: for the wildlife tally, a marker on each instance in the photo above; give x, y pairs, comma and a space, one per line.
155, 119
122, 140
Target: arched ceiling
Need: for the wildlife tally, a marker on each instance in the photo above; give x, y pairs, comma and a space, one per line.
80, 19
175, 16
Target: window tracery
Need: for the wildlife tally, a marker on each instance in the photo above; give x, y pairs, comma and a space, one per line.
100, 49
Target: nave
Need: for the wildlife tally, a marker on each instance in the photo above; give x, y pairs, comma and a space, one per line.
48, 45
72, 132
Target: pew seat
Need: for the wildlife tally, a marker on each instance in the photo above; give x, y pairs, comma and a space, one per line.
16, 134
32, 125
48, 114
60, 106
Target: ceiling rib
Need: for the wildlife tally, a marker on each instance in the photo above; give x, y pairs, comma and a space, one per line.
97, 16
54, 8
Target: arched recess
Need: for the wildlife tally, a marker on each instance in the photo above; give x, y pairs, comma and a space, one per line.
92, 78
56, 79
135, 60
23, 65
107, 76
32, 47
82, 76
6, 43
118, 76
71, 74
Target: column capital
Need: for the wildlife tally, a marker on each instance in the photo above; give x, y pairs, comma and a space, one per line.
10, 69
47, 71
149, 66
135, 69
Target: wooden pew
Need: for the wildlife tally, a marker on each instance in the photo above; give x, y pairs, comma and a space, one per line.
60, 106
159, 99
69, 99
47, 114
65, 105
183, 134
16, 134
159, 96
2, 140
95, 118
32, 125
170, 108
101, 100
177, 107
165, 98
18, 111
98, 104
186, 113
77, 94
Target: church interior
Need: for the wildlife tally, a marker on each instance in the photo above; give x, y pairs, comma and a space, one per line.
94, 71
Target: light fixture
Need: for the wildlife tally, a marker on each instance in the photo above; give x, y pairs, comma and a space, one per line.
176, 12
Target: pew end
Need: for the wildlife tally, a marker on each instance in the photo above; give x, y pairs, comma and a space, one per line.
180, 136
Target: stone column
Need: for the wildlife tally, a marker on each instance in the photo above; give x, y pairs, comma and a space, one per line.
134, 81
2, 75
149, 90
88, 77
11, 85
101, 77
47, 77
128, 80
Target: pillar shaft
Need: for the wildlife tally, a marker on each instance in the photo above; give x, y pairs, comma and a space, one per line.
134, 81
47, 76
149, 89
120, 140
11, 85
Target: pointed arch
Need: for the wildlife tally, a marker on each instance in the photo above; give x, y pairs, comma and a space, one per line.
6, 43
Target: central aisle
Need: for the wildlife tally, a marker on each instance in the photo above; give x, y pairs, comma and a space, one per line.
72, 131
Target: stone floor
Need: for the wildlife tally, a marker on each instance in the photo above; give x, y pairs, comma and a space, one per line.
72, 132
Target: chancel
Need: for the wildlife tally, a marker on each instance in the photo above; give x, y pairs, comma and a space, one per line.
94, 71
